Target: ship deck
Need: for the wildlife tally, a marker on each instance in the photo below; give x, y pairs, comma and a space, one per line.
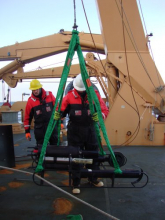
21, 198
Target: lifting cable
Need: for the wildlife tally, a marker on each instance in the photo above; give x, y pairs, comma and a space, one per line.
133, 96
149, 43
75, 25
92, 98
132, 39
139, 56
109, 79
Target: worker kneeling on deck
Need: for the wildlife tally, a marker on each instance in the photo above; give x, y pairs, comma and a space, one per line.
80, 129
40, 106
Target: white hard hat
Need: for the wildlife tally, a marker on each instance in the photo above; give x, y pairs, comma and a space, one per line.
78, 83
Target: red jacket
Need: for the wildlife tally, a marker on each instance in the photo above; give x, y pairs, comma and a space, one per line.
78, 108
40, 109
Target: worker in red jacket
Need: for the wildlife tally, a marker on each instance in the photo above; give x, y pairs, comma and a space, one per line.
40, 106
80, 129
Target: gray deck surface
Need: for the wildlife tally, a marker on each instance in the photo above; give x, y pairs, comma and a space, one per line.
22, 199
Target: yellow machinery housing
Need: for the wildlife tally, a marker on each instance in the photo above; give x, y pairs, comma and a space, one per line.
135, 89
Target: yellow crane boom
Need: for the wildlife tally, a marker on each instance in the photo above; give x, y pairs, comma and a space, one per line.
135, 89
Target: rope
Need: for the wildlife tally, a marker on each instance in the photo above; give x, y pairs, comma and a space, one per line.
61, 190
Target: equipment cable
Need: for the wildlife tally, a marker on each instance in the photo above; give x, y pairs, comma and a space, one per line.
106, 72
149, 43
134, 44
136, 49
138, 126
100, 58
138, 54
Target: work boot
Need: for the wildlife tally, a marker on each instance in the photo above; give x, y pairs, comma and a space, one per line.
96, 183
76, 190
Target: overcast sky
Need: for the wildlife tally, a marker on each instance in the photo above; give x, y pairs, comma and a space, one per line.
26, 20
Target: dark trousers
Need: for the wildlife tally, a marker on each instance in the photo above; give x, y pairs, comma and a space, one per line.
40, 131
85, 138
